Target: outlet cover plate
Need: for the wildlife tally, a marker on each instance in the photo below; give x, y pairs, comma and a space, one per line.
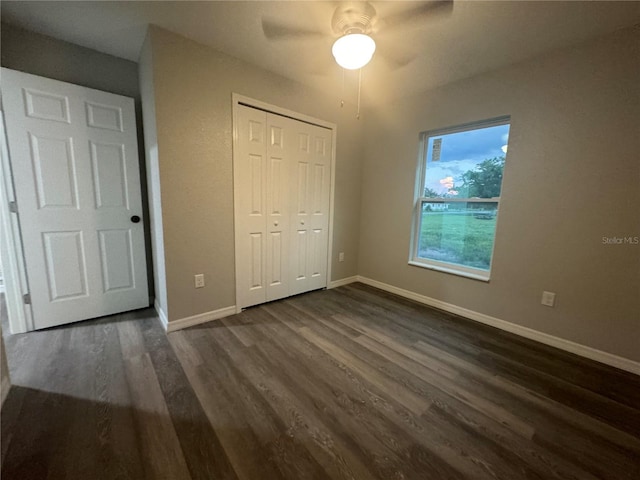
548, 299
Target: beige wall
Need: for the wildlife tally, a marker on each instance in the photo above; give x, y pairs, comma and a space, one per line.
193, 86
147, 93
572, 177
49, 57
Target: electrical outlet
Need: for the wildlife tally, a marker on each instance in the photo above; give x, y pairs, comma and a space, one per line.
341, 257
199, 279
548, 299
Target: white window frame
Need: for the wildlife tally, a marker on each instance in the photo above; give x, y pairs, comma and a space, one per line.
419, 199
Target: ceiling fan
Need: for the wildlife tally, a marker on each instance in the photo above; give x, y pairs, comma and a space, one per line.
353, 27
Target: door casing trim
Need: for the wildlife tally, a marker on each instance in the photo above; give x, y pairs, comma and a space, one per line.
13, 267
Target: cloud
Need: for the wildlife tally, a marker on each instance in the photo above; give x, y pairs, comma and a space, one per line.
454, 169
447, 182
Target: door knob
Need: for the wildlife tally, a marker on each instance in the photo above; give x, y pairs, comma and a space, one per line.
275, 224
301, 222
135, 219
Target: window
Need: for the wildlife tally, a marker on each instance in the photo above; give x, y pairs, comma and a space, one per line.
458, 197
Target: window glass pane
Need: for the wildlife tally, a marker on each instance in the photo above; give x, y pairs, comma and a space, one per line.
466, 164
461, 233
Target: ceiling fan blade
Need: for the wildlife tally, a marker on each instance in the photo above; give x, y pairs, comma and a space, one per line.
395, 60
417, 14
322, 66
274, 30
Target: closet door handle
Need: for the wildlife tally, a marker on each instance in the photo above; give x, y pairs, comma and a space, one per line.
275, 224
301, 222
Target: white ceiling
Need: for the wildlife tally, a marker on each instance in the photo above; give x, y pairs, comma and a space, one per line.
476, 37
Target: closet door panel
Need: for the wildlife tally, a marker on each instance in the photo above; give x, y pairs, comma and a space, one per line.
319, 200
250, 184
279, 147
300, 186
310, 220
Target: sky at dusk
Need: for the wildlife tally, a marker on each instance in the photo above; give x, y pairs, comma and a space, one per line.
461, 152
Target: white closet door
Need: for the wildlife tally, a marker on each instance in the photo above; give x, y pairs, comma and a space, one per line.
310, 187
279, 150
250, 183
74, 159
282, 184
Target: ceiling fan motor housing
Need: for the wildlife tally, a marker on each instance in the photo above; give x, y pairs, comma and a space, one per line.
353, 17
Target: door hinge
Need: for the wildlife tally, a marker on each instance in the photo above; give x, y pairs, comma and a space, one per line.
13, 207
27, 298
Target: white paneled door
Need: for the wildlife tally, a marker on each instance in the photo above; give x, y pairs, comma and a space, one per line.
309, 207
282, 187
74, 159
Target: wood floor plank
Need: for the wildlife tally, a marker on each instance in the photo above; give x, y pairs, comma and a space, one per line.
11, 409
564, 365
300, 417
413, 402
270, 413
241, 326
532, 404
450, 389
347, 419
118, 444
502, 360
199, 441
414, 356
447, 387
185, 350
257, 431
159, 443
432, 441
343, 350
473, 401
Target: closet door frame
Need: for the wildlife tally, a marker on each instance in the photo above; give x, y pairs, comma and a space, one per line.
238, 100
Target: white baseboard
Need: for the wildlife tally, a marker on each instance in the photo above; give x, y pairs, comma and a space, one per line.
343, 281
567, 345
200, 318
4, 388
161, 315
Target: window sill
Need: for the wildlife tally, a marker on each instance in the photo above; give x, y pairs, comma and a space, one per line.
451, 270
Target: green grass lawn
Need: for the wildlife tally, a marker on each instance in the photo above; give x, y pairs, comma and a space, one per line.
457, 238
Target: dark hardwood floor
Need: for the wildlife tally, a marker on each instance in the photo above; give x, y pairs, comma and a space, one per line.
350, 383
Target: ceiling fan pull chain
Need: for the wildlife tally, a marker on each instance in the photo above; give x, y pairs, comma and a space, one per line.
359, 87
342, 95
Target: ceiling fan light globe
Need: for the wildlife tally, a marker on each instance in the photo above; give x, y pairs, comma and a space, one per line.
354, 50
